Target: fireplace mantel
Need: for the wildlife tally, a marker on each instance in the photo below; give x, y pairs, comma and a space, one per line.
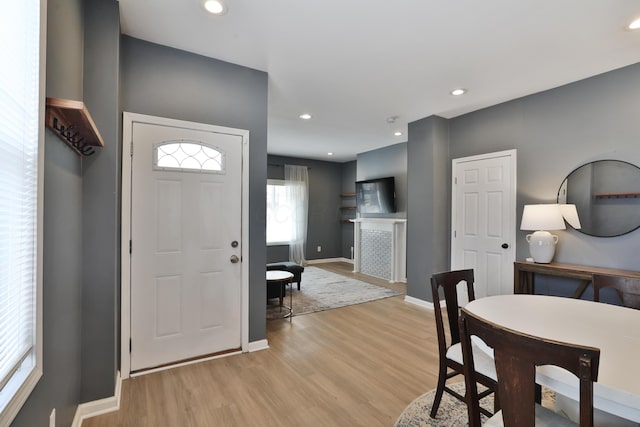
380, 248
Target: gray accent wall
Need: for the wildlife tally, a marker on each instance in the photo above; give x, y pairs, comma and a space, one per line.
555, 132
383, 162
428, 204
100, 204
166, 82
60, 384
323, 227
349, 171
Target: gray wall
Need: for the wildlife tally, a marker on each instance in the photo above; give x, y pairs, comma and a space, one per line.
323, 228
428, 204
100, 204
60, 384
555, 132
349, 172
383, 162
166, 82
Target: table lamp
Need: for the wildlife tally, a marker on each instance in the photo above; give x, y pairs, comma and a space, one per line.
540, 218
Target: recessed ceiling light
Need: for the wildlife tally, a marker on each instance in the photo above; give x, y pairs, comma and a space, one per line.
215, 7
635, 24
305, 116
398, 133
458, 92
329, 153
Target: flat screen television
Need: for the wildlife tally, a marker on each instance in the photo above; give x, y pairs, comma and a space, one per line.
376, 196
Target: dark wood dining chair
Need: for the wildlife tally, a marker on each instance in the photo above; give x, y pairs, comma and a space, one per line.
627, 288
450, 351
516, 357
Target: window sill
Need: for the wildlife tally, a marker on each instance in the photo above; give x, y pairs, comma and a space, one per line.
278, 243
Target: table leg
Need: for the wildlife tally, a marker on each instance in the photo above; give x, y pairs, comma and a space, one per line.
290, 301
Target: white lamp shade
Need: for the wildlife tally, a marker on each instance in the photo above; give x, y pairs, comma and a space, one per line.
542, 217
570, 213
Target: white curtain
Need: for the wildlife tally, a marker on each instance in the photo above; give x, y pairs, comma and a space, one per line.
296, 181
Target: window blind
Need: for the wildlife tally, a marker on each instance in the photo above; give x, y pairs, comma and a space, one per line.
19, 133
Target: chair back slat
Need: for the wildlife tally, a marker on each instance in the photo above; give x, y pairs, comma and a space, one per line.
448, 282
516, 357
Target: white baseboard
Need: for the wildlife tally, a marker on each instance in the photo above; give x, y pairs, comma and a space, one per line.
257, 345
323, 260
418, 302
99, 407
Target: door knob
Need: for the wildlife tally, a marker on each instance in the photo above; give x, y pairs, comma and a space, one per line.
234, 259
505, 246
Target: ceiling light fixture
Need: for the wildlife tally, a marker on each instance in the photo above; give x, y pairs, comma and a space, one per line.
458, 92
635, 24
329, 153
215, 7
398, 133
305, 116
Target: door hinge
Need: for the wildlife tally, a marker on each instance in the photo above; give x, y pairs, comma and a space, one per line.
455, 180
130, 345
455, 234
131, 149
130, 246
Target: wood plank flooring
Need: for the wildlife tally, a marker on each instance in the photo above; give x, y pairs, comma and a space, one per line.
353, 366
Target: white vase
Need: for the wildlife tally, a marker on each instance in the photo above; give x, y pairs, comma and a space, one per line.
542, 246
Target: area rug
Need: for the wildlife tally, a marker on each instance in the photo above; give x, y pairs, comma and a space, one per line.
452, 412
324, 290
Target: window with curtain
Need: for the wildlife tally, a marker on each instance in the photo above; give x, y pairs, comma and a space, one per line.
279, 207
287, 211
296, 181
20, 187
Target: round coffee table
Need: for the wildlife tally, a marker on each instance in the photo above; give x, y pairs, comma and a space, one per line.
281, 279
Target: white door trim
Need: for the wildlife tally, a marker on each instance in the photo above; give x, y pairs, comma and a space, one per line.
128, 119
513, 156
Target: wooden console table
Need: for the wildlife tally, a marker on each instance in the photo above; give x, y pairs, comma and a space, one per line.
524, 271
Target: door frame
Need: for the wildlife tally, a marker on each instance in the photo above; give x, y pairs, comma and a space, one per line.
513, 156
128, 120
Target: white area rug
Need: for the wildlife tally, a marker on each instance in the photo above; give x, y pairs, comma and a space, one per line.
323, 290
451, 412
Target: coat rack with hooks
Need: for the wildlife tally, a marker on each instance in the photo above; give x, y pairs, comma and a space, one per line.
71, 122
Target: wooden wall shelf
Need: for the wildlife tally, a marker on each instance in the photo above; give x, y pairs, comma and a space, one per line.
348, 195
71, 122
348, 207
617, 196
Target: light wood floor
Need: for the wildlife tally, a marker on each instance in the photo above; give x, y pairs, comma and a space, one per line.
354, 366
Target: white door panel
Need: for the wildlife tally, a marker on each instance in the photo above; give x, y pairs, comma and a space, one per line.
483, 220
185, 292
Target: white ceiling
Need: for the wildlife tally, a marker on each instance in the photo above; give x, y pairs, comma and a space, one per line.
354, 63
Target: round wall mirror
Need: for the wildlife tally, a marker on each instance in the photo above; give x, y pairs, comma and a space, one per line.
607, 197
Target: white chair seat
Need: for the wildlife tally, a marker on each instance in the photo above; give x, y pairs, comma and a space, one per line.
484, 363
544, 418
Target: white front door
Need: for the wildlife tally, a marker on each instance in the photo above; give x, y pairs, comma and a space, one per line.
484, 220
186, 236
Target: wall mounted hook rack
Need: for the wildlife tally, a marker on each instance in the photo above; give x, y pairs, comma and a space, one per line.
71, 122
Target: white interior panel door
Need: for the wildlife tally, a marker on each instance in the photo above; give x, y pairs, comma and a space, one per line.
483, 220
186, 188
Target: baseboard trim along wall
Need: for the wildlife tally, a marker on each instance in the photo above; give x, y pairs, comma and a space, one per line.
99, 407
419, 302
257, 345
323, 260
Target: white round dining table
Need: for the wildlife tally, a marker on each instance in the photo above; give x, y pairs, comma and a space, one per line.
613, 329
